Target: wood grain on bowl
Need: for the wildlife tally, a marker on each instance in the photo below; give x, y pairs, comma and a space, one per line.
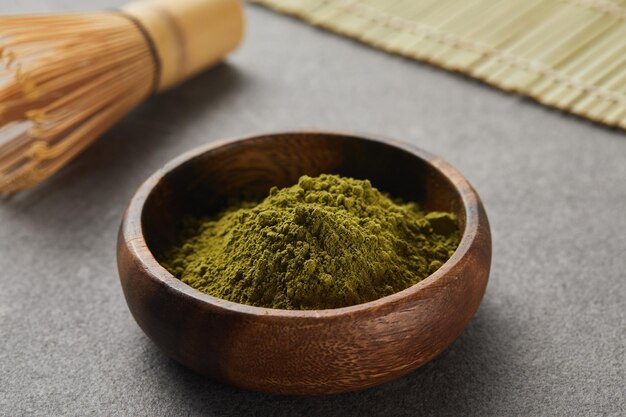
290, 351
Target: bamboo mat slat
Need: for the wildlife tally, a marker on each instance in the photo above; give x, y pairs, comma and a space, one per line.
568, 54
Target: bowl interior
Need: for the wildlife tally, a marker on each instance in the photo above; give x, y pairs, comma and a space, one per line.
202, 182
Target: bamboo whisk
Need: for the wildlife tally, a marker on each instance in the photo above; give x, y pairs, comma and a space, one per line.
65, 79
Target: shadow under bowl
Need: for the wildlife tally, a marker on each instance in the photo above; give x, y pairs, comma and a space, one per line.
300, 351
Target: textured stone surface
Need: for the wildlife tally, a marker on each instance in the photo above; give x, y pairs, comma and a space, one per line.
549, 338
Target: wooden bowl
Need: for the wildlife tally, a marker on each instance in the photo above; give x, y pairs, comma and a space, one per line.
307, 351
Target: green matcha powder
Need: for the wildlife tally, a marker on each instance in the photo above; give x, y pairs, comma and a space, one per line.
325, 242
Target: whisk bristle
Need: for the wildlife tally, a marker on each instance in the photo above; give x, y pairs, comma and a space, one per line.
64, 80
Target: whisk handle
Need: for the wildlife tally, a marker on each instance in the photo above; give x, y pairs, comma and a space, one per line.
188, 35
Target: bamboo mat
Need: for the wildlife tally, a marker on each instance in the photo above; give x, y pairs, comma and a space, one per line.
569, 54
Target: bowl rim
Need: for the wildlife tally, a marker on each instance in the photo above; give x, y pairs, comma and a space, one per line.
131, 229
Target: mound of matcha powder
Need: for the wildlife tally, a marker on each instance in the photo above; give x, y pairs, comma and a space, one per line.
325, 242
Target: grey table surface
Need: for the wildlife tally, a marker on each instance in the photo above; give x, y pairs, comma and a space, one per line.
548, 339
